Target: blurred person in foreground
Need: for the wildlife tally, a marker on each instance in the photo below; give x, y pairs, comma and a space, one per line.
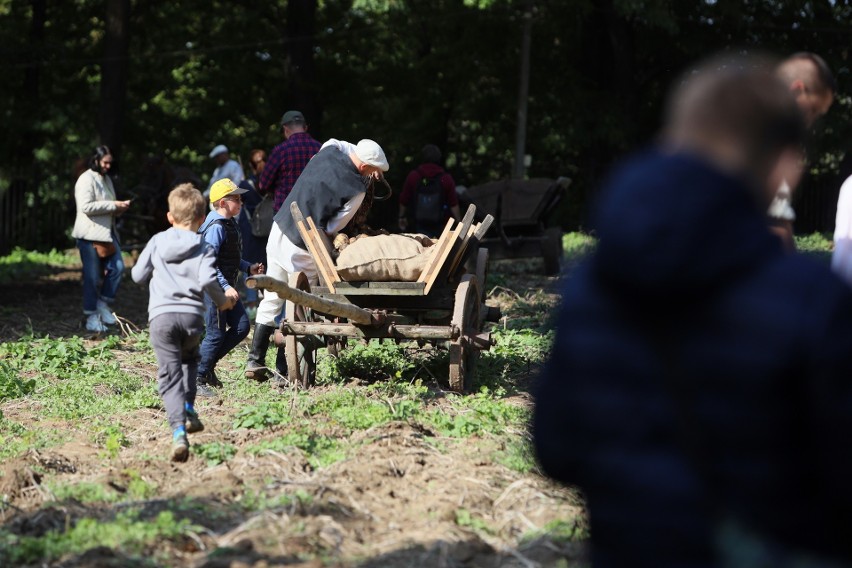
812, 84
699, 390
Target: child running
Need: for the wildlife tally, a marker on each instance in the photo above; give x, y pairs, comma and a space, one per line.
182, 267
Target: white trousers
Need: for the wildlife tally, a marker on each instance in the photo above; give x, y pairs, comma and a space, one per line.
283, 258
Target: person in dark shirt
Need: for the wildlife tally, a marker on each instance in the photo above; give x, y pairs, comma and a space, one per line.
428, 198
698, 389
288, 159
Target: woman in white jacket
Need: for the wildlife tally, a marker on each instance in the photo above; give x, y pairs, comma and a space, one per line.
97, 239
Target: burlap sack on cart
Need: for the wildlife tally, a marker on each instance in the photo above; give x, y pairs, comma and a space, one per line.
383, 258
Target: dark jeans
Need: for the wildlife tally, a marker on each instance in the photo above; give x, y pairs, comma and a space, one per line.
225, 330
175, 339
95, 268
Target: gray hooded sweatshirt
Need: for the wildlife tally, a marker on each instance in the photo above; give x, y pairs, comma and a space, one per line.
181, 267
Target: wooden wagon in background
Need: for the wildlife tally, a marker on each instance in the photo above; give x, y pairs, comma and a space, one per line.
520, 209
444, 307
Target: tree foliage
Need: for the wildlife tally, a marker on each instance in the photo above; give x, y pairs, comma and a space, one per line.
405, 73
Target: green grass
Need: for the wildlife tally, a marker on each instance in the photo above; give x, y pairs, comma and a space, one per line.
21, 263
320, 451
15, 438
559, 530
371, 362
576, 245
816, 245
214, 453
65, 369
126, 533
466, 519
84, 492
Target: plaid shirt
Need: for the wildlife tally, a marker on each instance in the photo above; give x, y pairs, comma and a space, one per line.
285, 164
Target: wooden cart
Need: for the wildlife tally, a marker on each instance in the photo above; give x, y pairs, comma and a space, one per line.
521, 209
444, 307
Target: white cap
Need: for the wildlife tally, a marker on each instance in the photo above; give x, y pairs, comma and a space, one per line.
220, 149
372, 154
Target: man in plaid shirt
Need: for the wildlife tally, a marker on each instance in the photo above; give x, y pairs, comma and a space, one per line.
288, 159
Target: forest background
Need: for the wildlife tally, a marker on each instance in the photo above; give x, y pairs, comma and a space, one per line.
161, 83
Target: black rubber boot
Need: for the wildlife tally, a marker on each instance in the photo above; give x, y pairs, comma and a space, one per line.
256, 365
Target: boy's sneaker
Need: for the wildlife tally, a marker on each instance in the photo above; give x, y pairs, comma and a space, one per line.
94, 323
106, 313
180, 445
193, 422
203, 389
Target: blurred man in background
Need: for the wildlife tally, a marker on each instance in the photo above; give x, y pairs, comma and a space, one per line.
813, 86
698, 390
226, 168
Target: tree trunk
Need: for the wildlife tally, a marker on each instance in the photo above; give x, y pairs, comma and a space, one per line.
302, 95
114, 75
523, 96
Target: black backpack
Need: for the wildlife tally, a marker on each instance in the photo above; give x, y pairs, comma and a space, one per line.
429, 201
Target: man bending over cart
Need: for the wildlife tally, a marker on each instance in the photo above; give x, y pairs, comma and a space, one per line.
329, 190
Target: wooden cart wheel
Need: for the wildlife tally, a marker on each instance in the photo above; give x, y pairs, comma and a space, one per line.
463, 355
299, 350
482, 270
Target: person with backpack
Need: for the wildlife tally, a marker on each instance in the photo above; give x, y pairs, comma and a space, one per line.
253, 227
428, 196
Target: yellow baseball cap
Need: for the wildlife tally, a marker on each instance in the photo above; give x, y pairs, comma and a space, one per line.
224, 187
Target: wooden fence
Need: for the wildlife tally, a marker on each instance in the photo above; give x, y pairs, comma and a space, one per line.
32, 225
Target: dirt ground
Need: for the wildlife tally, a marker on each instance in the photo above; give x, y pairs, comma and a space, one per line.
394, 503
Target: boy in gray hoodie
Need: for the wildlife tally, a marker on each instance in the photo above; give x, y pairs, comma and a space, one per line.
181, 267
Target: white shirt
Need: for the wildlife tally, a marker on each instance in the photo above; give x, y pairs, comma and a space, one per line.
782, 206
841, 258
342, 145
230, 169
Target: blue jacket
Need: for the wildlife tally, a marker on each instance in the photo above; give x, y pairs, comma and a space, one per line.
223, 236
699, 374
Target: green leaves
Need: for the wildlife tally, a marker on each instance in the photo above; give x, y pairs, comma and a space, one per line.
125, 532
11, 386
320, 451
262, 415
214, 453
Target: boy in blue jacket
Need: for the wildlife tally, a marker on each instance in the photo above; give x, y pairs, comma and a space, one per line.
182, 271
225, 329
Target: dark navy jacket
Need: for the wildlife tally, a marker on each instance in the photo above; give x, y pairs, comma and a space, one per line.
223, 235
698, 373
